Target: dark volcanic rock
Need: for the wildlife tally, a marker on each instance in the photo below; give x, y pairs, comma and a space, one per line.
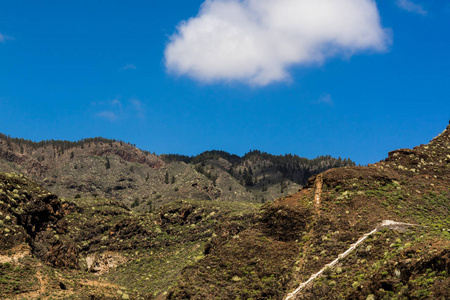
37, 218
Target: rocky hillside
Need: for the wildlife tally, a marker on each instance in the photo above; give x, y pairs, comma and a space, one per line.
98, 248
295, 236
144, 181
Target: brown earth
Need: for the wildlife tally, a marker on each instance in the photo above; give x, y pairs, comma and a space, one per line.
410, 186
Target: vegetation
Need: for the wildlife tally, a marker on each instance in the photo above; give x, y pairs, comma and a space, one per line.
150, 246
293, 167
114, 169
61, 145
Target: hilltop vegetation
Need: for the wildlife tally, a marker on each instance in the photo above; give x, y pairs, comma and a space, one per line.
144, 181
256, 163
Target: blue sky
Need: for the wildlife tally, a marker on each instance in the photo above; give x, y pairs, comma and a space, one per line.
128, 70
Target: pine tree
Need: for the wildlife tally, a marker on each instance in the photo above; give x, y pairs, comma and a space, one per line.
166, 178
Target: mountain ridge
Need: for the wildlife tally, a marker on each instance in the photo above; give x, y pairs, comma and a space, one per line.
119, 170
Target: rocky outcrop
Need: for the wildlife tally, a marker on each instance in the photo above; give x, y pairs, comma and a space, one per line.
32, 214
130, 154
101, 263
432, 159
335, 177
283, 222
210, 191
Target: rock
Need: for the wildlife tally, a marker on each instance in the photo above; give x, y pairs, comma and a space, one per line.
102, 263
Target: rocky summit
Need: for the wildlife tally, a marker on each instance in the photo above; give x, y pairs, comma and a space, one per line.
101, 219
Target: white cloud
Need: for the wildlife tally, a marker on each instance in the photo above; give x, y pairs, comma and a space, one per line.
128, 67
411, 7
109, 115
114, 110
139, 108
137, 105
117, 103
4, 38
256, 41
326, 99
111, 110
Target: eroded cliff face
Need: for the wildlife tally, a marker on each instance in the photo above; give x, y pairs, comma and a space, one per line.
31, 215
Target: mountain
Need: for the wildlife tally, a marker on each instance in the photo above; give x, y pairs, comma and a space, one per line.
144, 181
296, 236
375, 232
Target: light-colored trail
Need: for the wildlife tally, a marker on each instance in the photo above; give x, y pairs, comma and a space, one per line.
385, 224
318, 191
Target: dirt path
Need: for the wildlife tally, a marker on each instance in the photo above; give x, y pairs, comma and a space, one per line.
37, 293
385, 224
318, 192
19, 251
99, 284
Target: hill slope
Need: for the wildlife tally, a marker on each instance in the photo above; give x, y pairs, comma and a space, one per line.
97, 248
295, 236
144, 181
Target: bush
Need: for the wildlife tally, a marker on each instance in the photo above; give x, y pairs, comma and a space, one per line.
135, 203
